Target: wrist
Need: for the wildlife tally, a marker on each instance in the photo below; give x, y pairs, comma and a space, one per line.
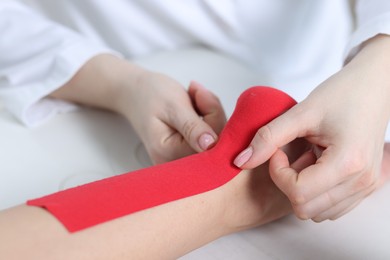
120, 78
374, 57
369, 71
101, 82
127, 93
251, 199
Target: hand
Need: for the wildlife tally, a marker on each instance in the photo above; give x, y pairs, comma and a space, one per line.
252, 197
345, 118
171, 122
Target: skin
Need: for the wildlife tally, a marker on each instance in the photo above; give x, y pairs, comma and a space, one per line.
171, 121
164, 232
345, 117
342, 117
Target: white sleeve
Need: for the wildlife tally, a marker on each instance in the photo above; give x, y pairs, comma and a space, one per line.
372, 18
37, 56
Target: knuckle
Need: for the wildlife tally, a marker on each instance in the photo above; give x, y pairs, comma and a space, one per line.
365, 181
189, 127
264, 134
332, 201
353, 164
307, 117
296, 197
301, 212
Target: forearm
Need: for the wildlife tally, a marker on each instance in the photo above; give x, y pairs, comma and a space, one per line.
362, 87
101, 83
37, 61
163, 232
250, 198
372, 65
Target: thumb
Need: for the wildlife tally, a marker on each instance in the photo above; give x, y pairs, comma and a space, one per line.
196, 132
279, 132
208, 106
191, 123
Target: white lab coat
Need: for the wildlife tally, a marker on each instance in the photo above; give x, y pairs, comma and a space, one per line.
297, 43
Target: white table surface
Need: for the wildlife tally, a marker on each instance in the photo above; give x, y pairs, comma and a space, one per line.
88, 144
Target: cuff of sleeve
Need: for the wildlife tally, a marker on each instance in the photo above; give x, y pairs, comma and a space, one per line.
377, 25
29, 103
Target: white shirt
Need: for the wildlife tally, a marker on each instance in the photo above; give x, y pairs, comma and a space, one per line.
298, 44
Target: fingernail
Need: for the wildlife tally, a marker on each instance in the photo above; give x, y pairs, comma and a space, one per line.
243, 157
205, 140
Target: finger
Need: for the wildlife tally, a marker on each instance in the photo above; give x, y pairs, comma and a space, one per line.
334, 167
279, 166
331, 201
292, 124
170, 145
208, 106
341, 194
352, 206
340, 209
305, 160
301, 190
348, 209
344, 206
194, 130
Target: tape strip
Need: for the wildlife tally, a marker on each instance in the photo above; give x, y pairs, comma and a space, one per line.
97, 202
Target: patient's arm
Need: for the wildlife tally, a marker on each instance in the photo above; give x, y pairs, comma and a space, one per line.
222, 205
163, 232
170, 121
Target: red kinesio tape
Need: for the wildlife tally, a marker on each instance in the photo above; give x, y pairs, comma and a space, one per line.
97, 202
